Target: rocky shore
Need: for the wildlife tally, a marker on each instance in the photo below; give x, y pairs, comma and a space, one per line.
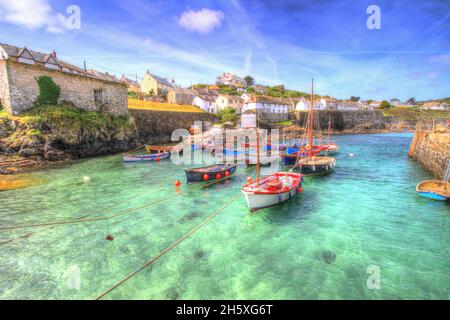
55, 135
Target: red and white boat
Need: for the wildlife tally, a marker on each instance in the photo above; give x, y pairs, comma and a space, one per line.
330, 148
272, 190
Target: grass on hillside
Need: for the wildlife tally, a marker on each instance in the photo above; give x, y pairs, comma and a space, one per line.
408, 113
286, 123
68, 117
160, 106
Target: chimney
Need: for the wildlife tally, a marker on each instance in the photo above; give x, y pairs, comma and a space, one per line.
54, 54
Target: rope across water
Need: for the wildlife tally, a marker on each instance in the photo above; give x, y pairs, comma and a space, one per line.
168, 249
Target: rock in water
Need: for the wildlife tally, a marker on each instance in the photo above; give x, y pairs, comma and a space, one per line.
199, 254
172, 294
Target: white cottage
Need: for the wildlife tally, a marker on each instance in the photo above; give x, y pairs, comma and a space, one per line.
206, 102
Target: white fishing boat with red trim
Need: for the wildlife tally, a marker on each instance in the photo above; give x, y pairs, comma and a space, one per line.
272, 190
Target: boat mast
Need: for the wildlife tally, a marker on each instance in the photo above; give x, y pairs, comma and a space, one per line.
311, 120
329, 129
257, 157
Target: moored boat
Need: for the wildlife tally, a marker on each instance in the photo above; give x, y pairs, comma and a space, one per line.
434, 189
271, 190
145, 157
311, 166
329, 149
210, 173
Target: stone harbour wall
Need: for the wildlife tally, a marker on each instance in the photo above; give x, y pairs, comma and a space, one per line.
156, 127
75, 89
355, 121
432, 150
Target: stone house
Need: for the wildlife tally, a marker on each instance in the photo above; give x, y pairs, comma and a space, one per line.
155, 85
180, 96
133, 85
224, 101
85, 89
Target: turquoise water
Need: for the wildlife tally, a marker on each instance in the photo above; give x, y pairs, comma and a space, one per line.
316, 246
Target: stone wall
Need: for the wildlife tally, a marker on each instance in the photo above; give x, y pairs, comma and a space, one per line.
432, 150
358, 121
76, 89
4, 89
155, 127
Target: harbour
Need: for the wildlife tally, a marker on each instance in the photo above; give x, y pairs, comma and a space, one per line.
318, 245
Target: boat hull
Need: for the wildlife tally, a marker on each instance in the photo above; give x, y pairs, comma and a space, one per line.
434, 189
316, 166
146, 157
257, 200
197, 175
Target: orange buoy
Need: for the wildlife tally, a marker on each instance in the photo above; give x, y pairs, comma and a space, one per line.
300, 189
227, 173
205, 177
249, 179
177, 183
218, 176
158, 159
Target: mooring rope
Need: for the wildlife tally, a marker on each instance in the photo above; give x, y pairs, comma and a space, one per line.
120, 213
167, 250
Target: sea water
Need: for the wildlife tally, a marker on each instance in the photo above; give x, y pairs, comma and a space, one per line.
361, 232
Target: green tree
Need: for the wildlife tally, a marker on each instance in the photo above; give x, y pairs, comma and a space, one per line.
49, 91
385, 105
250, 90
411, 101
227, 115
250, 80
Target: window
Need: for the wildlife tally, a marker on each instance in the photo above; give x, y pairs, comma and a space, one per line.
26, 60
51, 66
98, 97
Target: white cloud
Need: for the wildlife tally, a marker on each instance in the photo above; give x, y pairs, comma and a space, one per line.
202, 21
32, 14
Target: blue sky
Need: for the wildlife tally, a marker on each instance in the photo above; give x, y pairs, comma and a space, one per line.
287, 42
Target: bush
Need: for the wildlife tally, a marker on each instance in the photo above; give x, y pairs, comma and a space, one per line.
385, 105
49, 91
227, 115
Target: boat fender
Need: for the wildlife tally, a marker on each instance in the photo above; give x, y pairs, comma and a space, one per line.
205, 177
249, 179
300, 190
177, 183
227, 173
218, 176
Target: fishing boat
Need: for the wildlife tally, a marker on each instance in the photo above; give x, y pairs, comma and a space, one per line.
145, 157
210, 173
292, 154
434, 189
271, 190
330, 148
312, 164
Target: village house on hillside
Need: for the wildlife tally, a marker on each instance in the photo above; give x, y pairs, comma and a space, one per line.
180, 96
133, 85
154, 85
205, 99
435, 105
85, 89
230, 79
267, 108
224, 101
304, 105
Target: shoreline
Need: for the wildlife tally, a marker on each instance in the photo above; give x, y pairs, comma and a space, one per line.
37, 164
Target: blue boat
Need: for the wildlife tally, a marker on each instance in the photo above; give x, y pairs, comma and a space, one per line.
434, 189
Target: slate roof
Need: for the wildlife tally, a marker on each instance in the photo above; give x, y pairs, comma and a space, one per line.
13, 51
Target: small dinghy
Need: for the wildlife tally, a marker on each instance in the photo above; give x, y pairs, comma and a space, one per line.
290, 157
271, 190
434, 189
210, 173
329, 149
145, 157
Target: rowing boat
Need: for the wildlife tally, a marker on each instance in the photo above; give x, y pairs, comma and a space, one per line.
210, 173
145, 157
434, 189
